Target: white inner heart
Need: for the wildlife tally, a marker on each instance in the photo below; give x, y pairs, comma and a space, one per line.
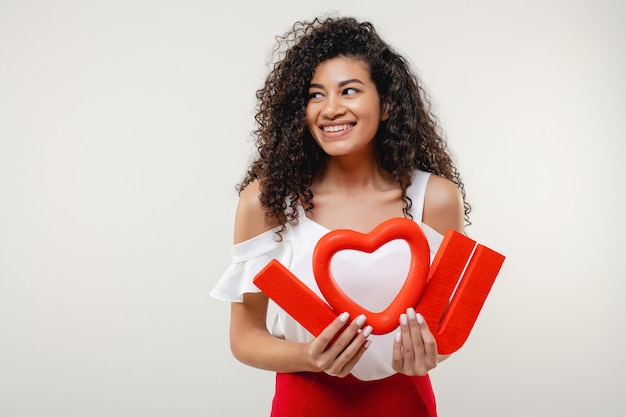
372, 279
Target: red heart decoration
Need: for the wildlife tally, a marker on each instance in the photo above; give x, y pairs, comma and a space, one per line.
409, 294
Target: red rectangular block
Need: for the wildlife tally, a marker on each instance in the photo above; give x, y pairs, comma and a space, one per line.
287, 291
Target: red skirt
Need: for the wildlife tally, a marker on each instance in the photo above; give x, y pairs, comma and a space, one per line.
309, 394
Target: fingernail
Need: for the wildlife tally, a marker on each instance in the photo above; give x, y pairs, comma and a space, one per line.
410, 312
367, 331
420, 318
403, 320
344, 317
360, 321
398, 336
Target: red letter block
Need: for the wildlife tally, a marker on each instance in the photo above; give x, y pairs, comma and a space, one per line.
288, 292
457, 289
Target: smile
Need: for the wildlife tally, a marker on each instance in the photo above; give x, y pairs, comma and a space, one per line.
337, 128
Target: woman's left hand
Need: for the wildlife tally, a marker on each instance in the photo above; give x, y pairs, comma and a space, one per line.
414, 348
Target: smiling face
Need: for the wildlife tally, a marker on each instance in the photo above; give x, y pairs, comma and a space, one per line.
343, 111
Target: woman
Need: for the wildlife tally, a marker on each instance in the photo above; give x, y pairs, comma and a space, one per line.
345, 140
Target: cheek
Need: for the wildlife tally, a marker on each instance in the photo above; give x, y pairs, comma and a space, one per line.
369, 113
366, 109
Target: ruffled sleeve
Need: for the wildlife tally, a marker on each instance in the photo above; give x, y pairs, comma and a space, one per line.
248, 258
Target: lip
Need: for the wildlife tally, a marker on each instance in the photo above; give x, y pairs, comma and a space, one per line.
343, 128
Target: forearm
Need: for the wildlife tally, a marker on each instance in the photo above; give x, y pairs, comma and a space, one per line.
252, 344
259, 349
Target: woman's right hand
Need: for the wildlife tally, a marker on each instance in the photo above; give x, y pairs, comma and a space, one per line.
339, 346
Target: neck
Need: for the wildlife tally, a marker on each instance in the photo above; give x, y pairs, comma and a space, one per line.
354, 175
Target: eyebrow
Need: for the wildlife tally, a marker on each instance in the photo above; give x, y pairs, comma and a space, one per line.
341, 84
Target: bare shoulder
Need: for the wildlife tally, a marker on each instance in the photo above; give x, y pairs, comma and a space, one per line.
250, 215
443, 205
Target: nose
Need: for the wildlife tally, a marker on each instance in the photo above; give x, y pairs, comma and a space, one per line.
333, 107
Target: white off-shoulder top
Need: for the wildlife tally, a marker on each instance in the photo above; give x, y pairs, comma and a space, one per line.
372, 280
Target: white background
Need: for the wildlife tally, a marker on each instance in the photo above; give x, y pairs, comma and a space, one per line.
124, 127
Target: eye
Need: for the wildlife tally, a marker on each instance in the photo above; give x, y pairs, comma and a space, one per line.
350, 91
313, 95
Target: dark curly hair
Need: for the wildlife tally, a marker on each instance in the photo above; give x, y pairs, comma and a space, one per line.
289, 159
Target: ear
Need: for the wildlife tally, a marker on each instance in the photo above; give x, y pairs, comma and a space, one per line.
384, 112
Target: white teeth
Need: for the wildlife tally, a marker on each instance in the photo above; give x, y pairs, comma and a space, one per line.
336, 128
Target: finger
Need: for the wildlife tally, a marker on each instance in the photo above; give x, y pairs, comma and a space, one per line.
340, 354
355, 345
403, 354
396, 361
328, 334
333, 341
430, 343
344, 338
415, 329
355, 351
409, 351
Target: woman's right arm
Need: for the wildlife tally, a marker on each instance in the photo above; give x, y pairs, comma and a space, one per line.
251, 342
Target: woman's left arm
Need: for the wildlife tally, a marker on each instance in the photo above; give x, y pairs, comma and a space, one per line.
415, 348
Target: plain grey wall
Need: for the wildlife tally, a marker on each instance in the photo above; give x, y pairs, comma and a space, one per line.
124, 126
